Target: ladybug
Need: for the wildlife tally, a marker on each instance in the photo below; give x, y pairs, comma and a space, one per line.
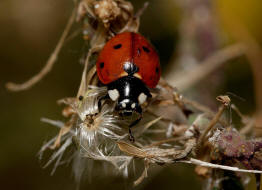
128, 65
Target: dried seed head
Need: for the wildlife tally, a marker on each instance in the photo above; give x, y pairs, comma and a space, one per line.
95, 132
106, 10
224, 100
88, 105
103, 124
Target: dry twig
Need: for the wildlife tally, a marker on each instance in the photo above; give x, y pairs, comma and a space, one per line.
206, 67
225, 102
49, 64
143, 175
217, 166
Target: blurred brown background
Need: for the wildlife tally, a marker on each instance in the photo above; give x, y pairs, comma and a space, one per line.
29, 32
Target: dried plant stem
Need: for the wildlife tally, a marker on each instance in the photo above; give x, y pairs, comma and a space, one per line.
155, 115
198, 106
181, 101
203, 109
149, 124
206, 67
238, 112
249, 126
49, 64
210, 126
142, 10
86, 77
217, 166
64, 130
248, 121
241, 33
166, 141
143, 175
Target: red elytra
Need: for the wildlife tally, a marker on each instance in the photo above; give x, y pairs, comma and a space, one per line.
128, 47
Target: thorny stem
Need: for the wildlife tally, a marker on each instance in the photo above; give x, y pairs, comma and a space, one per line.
50, 62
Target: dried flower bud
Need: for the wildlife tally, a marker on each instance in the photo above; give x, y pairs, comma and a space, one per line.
106, 11
224, 100
230, 143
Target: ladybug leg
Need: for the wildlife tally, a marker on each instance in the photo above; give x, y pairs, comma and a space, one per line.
131, 137
99, 103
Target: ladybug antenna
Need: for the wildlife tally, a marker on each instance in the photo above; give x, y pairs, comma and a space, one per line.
235, 96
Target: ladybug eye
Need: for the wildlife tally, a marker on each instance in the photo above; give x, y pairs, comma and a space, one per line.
146, 49
117, 46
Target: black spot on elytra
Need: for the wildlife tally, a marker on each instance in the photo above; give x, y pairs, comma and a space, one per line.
146, 49
102, 64
117, 46
157, 70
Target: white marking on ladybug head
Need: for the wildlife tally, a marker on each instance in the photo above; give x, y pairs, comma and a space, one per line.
113, 94
133, 105
123, 104
142, 98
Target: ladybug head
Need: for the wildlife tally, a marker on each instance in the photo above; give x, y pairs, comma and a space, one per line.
129, 93
126, 107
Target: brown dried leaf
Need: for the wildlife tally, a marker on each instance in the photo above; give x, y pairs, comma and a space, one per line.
131, 150
67, 101
68, 111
